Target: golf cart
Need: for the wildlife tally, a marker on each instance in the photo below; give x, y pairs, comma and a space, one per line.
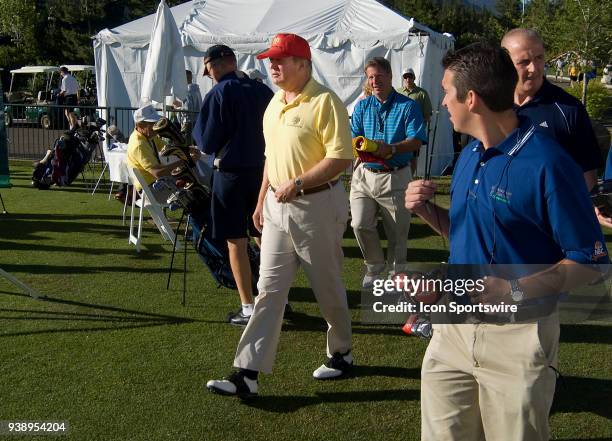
30, 86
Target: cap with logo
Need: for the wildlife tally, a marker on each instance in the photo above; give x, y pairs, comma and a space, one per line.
146, 114
407, 72
216, 52
287, 45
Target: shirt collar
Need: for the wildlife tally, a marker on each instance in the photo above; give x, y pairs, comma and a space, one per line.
388, 102
309, 90
228, 76
515, 140
544, 91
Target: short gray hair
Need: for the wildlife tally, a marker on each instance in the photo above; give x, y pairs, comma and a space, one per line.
526, 33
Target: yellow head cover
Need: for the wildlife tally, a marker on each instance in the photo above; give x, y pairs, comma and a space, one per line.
364, 144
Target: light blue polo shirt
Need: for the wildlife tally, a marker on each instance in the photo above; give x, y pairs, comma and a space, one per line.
395, 120
522, 202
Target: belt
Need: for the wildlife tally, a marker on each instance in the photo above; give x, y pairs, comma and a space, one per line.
384, 170
316, 189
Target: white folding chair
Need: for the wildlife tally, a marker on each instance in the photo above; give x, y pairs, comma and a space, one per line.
155, 209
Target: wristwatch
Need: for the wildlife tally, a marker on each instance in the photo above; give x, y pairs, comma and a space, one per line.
516, 291
299, 183
393, 149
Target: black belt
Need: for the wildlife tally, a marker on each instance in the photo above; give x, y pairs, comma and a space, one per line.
316, 189
384, 170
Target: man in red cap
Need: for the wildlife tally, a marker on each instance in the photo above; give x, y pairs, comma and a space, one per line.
302, 212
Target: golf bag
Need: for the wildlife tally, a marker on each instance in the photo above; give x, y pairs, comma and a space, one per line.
195, 199
215, 255
68, 157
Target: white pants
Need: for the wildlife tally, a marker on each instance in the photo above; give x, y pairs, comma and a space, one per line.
489, 382
308, 232
385, 191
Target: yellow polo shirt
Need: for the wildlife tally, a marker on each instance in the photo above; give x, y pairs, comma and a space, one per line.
315, 125
141, 156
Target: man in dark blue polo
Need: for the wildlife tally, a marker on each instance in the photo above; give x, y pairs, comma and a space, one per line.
551, 109
229, 127
395, 123
517, 197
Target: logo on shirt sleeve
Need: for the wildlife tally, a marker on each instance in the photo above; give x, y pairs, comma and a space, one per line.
598, 251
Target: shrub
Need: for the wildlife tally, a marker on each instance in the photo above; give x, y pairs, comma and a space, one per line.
599, 98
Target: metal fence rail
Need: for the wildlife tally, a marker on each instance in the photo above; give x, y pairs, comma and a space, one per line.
32, 129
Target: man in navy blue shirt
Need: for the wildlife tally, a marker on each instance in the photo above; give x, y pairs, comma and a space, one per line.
229, 128
517, 197
551, 109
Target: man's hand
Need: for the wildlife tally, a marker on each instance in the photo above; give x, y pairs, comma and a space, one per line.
603, 219
384, 150
418, 193
195, 153
286, 192
258, 218
496, 290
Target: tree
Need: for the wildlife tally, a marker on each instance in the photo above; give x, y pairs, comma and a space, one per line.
587, 28
466, 23
20, 25
510, 13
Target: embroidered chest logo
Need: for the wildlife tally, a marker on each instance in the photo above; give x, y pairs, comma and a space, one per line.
500, 195
544, 124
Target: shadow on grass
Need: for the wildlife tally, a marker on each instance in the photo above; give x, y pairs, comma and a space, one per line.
124, 318
578, 394
586, 334
386, 371
74, 188
304, 322
302, 294
150, 252
65, 269
290, 404
36, 229
413, 254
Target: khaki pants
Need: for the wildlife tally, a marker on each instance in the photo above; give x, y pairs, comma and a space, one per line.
308, 232
489, 382
385, 191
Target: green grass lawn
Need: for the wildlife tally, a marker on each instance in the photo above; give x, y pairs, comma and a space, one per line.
114, 353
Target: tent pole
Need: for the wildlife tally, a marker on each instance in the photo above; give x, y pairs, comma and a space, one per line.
18, 283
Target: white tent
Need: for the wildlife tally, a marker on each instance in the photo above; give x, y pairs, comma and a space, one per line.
343, 35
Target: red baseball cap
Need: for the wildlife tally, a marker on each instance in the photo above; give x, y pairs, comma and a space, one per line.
287, 45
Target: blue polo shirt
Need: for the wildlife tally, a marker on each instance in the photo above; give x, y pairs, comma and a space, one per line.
523, 201
395, 120
230, 122
562, 117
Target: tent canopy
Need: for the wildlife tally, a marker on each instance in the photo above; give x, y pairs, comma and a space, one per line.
343, 35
